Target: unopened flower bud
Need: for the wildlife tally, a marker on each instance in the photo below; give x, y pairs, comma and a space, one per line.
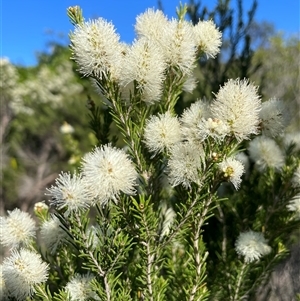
75, 15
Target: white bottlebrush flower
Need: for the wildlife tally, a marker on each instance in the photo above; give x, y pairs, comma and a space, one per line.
96, 48
252, 245
208, 38
108, 171
294, 205
178, 45
273, 117
151, 24
17, 229
232, 170
144, 64
191, 117
69, 192
79, 288
212, 127
162, 132
238, 104
22, 270
52, 234
185, 164
265, 152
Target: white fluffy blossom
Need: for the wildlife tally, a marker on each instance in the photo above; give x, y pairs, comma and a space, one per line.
162, 132
294, 205
214, 128
185, 164
232, 170
191, 117
151, 24
144, 64
265, 153
238, 104
178, 45
273, 117
69, 192
108, 171
252, 245
17, 229
22, 271
207, 38
96, 48
79, 288
52, 234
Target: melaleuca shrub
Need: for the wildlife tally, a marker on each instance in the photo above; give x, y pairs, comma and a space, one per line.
195, 206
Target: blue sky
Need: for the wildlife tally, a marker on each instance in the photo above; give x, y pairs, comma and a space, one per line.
27, 26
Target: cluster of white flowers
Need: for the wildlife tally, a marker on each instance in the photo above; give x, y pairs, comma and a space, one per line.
9, 76
48, 86
252, 245
105, 173
23, 268
161, 44
234, 114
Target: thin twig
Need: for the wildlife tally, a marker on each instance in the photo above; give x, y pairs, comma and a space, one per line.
101, 272
239, 281
198, 260
150, 259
